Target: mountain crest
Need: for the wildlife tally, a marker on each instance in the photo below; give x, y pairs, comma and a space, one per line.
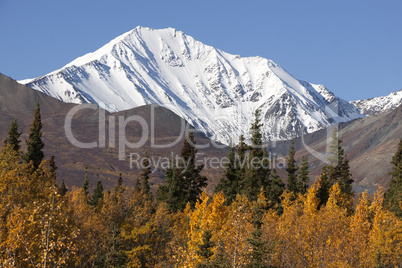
215, 91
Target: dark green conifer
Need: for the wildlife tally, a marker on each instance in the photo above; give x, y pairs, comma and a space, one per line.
146, 171
303, 178
174, 191
115, 255
13, 138
291, 169
257, 171
220, 260
62, 189
163, 190
85, 184
34, 142
337, 171
323, 190
184, 181
118, 189
53, 167
190, 172
205, 249
275, 192
393, 195
97, 195
259, 249
230, 182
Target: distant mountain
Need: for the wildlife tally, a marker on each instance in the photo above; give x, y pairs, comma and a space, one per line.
214, 91
379, 104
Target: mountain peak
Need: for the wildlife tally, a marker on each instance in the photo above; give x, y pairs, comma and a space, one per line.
215, 91
380, 104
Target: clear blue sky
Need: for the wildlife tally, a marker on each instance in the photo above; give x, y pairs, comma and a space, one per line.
352, 47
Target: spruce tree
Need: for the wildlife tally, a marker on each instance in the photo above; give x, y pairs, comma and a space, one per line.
275, 192
146, 171
137, 186
174, 191
337, 171
242, 148
205, 249
118, 189
13, 138
220, 260
53, 167
190, 172
115, 255
303, 178
291, 169
34, 142
62, 189
163, 190
97, 195
323, 190
393, 195
85, 184
230, 182
259, 250
184, 181
257, 174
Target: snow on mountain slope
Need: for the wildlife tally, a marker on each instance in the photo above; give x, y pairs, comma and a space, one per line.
215, 91
378, 105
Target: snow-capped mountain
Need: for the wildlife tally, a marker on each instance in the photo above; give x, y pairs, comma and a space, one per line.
214, 91
379, 104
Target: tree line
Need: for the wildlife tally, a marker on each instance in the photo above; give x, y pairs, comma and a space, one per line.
253, 219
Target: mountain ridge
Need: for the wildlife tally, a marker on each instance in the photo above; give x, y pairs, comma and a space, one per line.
213, 90
377, 105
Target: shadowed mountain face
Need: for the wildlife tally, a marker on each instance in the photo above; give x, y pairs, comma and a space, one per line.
18, 101
369, 143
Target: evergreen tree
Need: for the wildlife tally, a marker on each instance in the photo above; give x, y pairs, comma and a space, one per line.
115, 255
393, 196
303, 178
34, 142
176, 195
275, 192
97, 195
230, 182
337, 171
13, 136
163, 190
205, 249
259, 250
85, 184
119, 187
137, 186
62, 189
146, 171
323, 190
257, 170
291, 169
53, 167
242, 149
345, 179
189, 172
174, 190
220, 260
184, 181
